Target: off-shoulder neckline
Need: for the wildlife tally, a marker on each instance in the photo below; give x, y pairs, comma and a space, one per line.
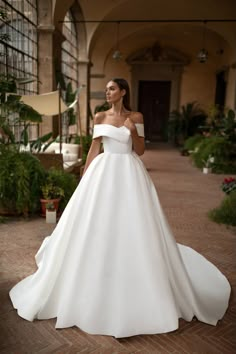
114, 125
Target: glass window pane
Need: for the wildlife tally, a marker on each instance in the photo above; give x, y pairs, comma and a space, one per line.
70, 51
20, 52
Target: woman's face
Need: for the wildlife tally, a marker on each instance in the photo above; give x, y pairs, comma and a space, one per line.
113, 92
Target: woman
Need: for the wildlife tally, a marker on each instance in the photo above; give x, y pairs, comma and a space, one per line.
112, 265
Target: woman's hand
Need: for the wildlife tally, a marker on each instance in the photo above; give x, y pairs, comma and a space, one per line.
128, 123
138, 142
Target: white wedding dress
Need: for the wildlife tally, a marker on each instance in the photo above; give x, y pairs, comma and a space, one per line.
112, 265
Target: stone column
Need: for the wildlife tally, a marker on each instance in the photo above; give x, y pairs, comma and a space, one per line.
45, 55
58, 39
45, 69
84, 70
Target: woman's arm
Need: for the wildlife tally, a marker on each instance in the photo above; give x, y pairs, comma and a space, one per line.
96, 143
138, 142
93, 152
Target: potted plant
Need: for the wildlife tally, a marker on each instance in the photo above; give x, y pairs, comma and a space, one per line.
66, 181
51, 193
207, 164
20, 178
185, 122
228, 185
21, 173
51, 213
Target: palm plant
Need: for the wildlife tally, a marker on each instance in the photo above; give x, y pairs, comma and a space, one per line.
14, 112
185, 122
21, 175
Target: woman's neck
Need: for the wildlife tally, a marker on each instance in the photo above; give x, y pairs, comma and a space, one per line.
118, 109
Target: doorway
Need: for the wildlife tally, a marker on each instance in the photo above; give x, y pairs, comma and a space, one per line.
154, 104
220, 90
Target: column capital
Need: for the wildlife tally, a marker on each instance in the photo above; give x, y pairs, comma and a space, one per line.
46, 28
84, 61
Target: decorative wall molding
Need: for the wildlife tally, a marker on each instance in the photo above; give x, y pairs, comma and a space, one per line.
97, 76
98, 95
46, 28
158, 55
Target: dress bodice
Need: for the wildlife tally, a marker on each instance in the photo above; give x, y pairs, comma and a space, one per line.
116, 140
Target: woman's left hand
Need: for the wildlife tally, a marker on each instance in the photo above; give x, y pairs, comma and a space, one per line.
128, 123
138, 142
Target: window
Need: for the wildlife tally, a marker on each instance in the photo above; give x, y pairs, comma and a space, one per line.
69, 61
20, 52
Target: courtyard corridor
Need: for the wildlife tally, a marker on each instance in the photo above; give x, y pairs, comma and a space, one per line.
186, 195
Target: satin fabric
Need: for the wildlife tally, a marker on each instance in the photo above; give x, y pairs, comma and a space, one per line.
112, 265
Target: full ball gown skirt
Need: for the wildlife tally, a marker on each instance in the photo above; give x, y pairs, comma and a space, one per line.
112, 265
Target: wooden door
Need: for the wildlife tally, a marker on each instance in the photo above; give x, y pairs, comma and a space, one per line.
154, 103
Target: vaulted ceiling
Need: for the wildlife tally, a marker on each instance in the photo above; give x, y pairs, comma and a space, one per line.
184, 36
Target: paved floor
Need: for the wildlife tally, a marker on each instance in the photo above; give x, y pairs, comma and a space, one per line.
186, 196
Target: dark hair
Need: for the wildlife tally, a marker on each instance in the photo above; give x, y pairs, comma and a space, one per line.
123, 85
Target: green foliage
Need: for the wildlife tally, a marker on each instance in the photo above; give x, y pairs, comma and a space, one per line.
13, 104
218, 147
51, 191
4, 37
14, 112
219, 141
3, 13
86, 143
50, 206
20, 178
227, 166
65, 181
229, 128
221, 123
41, 143
191, 143
185, 122
228, 185
101, 108
69, 95
3, 219
7, 84
226, 212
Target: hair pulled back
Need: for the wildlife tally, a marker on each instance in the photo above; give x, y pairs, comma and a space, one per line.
123, 85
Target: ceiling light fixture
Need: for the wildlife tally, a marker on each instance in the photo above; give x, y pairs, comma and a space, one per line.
203, 53
117, 55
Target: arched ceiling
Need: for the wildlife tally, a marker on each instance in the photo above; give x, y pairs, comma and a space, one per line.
60, 8
186, 37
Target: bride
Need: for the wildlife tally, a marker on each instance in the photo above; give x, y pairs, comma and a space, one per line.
112, 265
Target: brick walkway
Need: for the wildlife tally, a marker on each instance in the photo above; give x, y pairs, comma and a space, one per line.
186, 196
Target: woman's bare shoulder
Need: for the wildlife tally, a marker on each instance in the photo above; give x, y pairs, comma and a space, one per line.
137, 117
100, 117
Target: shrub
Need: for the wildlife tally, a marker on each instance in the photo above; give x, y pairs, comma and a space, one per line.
218, 147
228, 185
20, 178
192, 142
185, 122
64, 180
227, 166
226, 212
86, 142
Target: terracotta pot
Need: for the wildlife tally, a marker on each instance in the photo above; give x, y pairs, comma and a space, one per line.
44, 202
